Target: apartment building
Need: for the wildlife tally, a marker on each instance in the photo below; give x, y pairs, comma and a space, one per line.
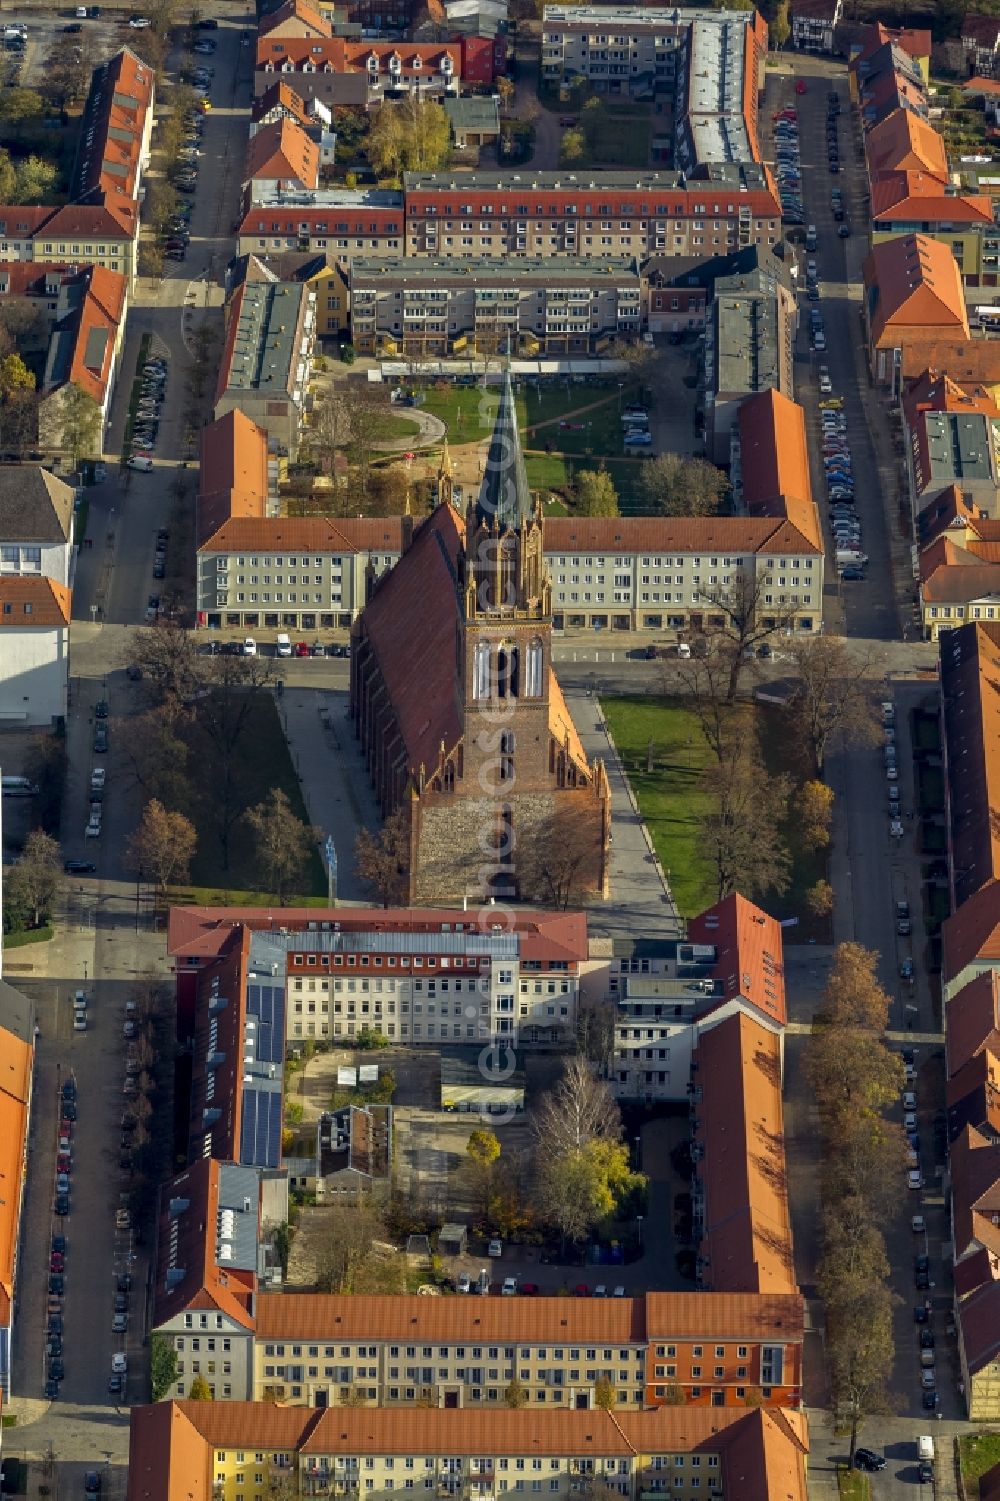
958, 584
197, 1451
280, 103
341, 73
34, 652
256, 567
907, 202
36, 524
281, 158
710, 61
912, 296
77, 232
337, 222
483, 215
952, 438
418, 976
84, 349
432, 308
748, 348
309, 1349
670, 573
17, 1062
266, 358
970, 723
667, 991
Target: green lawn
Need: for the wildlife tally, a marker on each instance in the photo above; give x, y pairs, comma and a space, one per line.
670, 798
263, 763
397, 426
672, 802
621, 141
977, 1452
853, 1485
468, 412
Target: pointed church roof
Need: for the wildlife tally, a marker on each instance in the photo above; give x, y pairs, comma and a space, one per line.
504, 495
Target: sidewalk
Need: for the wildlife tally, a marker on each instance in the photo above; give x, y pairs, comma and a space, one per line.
332, 775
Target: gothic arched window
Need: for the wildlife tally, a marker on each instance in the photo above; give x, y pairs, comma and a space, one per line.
533, 669
507, 756
481, 670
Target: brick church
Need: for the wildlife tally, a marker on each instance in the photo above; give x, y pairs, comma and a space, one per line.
456, 705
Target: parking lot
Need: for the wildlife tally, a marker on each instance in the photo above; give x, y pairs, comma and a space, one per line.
47, 30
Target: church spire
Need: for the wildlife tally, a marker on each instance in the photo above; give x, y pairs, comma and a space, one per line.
504, 496
445, 476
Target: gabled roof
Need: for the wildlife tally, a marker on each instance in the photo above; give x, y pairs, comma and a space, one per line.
121, 94
299, 14
967, 361
83, 343
974, 1163
915, 42
913, 287
970, 711
187, 1272
936, 391
16, 1061
905, 142
774, 462
283, 151
979, 1321
972, 934
959, 578
280, 96
644, 534
233, 479
908, 195
946, 510
34, 604
307, 534
747, 1240
35, 506
749, 951
108, 219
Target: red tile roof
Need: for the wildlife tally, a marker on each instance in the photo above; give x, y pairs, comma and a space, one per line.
298, 12
33, 604
916, 288
967, 361
905, 142
916, 42
16, 1063
747, 1240
774, 462
750, 961
112, 220
972, 934
100, 313
307, 534
121, 96
336, 55
983, 31
642, 534
204, 931
187, 1242
958, 578
761, 1451
233, 480
282, 151
909, 195
938, 392
280, 96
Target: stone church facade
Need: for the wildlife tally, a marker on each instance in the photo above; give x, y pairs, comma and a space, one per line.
459, 712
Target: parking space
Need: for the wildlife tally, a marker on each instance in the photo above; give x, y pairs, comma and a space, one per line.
46, 30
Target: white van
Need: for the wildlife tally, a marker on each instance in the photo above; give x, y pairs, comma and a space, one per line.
141, 462
851, 555
684, 651
925, 1447
283, 645
18, 787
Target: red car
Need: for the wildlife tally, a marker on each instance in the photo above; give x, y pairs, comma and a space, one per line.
800, 86
582, 1290
57, 1262
529, 1289
301, 648
64, 1163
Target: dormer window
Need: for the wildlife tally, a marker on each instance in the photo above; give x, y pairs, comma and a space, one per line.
373, 63
395, 63
418, 63
447, 66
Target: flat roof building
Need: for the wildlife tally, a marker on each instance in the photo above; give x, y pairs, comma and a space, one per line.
266, 359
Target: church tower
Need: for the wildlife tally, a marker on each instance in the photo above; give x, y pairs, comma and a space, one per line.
505, 636
445, 477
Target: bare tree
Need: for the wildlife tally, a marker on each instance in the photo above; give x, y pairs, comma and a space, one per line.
158, 754
705, 681
579, 1110
833, 696
162, 847
224, 715
556, 861
382, 860
166, 654
283, 842
747, 619
743, 828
